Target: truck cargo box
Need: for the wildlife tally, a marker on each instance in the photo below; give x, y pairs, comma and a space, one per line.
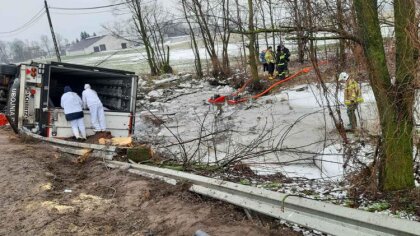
34, 97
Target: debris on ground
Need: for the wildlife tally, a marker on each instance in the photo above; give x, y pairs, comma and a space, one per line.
293, 117
118, 141
35, 200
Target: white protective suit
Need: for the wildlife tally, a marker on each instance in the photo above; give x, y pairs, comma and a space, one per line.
72, 103
91, 100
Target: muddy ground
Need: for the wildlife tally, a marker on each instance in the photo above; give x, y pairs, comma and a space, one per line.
43, 192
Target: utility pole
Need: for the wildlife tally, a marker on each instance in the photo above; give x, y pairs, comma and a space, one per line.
57, 51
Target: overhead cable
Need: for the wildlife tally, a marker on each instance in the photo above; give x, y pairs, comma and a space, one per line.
34, 19
87, 8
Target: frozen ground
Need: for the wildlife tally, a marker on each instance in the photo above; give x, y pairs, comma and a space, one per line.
290, 132
287, 133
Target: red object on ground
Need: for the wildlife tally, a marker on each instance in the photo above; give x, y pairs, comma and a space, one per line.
220, 99
3, 120
233, 101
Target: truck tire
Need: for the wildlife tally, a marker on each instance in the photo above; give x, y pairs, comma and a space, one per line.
8, 70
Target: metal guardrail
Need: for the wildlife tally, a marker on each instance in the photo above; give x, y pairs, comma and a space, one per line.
325, 217
76, 148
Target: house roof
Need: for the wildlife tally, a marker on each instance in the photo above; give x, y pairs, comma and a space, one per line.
82, 44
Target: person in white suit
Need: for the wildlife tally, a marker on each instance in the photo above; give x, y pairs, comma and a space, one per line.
73, 111
91, 100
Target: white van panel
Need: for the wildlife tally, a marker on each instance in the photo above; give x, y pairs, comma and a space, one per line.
118, 123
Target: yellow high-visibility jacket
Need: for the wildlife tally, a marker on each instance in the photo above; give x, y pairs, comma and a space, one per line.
269, 57
352, 93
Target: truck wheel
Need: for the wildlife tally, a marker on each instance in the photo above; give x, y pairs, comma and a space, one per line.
8, 70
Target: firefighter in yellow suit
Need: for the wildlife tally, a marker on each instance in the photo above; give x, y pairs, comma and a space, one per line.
352, 98
271, 60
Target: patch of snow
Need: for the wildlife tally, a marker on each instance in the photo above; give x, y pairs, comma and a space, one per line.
167, 80
275, 113
155, 93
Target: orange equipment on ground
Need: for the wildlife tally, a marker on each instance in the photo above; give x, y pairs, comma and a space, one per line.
222, 99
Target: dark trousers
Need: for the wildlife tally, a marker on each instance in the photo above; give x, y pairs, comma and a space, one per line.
271, 68
351, 112
265, 67
282, 70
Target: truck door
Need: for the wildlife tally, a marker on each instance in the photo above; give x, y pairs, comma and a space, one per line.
13, 105
24, 99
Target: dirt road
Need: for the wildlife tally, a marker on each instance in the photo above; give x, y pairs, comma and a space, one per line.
43, 192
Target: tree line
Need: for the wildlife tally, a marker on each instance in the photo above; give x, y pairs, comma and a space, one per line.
19, 50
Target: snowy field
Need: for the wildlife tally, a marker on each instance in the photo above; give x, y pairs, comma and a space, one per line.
181, 56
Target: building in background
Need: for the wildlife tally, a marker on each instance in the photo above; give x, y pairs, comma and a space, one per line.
98, 44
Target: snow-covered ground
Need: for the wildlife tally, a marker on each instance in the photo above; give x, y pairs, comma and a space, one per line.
294, 122
181, 55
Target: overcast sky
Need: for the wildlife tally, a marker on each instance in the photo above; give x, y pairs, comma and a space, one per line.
69, 24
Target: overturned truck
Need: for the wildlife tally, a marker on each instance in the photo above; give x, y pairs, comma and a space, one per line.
34, 98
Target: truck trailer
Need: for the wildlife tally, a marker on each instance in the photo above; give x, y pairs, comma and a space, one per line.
35, 91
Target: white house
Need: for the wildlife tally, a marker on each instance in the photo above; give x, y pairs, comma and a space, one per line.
98, 44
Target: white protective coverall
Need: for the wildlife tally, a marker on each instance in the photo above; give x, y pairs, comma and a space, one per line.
91, 100
72, 103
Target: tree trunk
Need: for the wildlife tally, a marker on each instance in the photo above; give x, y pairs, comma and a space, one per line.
207, 38
299, 32
225, 37
396, 122
194, 46
252, 54
340, 20
217, 68
238, 15
142, 30
263, 22
270, 7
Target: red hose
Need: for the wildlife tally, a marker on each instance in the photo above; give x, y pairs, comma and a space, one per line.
302, 71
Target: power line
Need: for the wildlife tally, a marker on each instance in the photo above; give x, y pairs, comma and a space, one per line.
87, 8
57, 51
34, 19
117, 11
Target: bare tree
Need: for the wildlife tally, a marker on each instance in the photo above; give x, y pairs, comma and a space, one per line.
46, 44
224, 32
252, 51
194, 44
208, 35
4, 53
17, 48
148, 27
